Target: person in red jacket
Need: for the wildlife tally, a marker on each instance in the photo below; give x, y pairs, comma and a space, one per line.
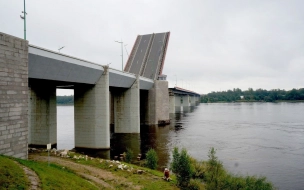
166, 174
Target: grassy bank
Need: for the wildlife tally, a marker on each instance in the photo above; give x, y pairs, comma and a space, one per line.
11, 175
80, 172
57, 177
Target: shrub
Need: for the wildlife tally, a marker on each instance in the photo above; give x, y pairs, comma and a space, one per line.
195, 184
129, 155
182, 168
216, 177
151, 159
199, 169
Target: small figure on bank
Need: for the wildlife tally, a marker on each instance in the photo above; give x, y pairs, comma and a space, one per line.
166, 174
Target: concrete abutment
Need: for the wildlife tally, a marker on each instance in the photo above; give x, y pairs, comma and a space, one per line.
13, 96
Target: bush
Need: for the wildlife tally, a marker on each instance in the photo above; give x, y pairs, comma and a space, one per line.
129, 155
199, 169
182, 168
195, 184
216, 177
151, 159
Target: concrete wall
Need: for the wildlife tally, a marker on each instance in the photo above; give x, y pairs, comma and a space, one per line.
92, 115
13, 96
126, 109
43, 115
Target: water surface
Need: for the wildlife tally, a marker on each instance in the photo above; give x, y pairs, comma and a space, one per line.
263, 139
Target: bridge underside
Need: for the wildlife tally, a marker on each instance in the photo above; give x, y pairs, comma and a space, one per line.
182, 100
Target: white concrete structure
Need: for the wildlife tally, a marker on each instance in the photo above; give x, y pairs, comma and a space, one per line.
43, 115
91, 109
182, 100
126, 109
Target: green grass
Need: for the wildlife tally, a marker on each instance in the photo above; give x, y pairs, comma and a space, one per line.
57, 177
151, 179
11, 175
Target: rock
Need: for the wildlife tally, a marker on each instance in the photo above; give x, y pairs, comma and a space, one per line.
54, 150
120, 166
140, 171
110, 166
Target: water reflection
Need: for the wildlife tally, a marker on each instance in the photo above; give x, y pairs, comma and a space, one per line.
153, 136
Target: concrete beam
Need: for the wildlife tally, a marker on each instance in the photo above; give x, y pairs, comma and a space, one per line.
92, 115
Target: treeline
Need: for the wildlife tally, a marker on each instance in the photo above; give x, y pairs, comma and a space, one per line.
254, 95
65, 99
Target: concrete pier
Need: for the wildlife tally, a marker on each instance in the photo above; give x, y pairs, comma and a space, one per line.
186, 103
178, 103
126, 109
43, 115
157, 110
172, 102
91, 109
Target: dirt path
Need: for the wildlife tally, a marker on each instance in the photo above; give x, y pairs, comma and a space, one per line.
101, 178
32, 177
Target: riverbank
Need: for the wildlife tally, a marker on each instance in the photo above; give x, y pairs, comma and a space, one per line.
69, 170
78, 171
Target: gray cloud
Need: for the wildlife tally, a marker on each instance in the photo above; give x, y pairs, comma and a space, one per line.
214, 45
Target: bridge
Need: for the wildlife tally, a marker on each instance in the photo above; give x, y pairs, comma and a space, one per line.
30, 75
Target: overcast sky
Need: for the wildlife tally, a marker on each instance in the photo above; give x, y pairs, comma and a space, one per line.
214, 45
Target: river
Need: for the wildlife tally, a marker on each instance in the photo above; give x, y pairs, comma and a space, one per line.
262, 139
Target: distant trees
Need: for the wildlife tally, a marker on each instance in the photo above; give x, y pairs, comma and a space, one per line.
253, 95
65, 100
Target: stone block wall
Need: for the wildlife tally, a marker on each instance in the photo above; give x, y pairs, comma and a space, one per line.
13, 96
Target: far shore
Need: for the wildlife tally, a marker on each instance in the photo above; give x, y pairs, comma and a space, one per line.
250, 101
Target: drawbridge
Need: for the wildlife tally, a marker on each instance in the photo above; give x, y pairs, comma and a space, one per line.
148, 55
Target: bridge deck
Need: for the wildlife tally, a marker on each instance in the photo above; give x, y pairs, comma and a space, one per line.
49, 65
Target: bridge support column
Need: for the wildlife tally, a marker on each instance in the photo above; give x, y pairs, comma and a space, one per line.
178, 103
198, 100
92, 116
186, 103
126, 109
172, 102
193, 101
43, 115
158, 104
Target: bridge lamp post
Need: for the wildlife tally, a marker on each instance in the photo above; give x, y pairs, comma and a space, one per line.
121, 53
24, 19
60, 48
